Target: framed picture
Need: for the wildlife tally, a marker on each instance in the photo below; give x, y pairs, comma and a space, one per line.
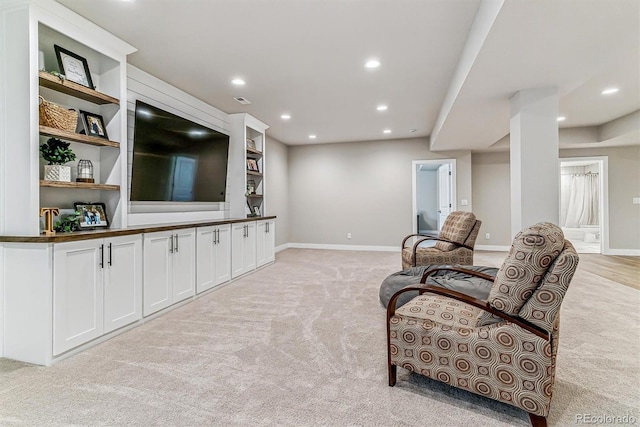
256, 211
93, 125
251, 144
92, 215
251, 186
74, 67
252, 165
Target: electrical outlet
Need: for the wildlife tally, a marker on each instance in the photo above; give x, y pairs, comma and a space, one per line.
464, 202
348, 235
487, 236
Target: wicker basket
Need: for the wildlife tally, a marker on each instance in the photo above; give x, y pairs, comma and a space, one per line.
58, 117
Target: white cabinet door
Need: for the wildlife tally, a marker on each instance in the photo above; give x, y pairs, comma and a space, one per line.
250, 247
184, 264
157, 260
261, 236
270, 242
122, 281
205, 258
265, 242
223, 254
238, 236
77, 293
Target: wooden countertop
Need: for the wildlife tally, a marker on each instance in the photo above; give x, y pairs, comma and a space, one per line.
113, 232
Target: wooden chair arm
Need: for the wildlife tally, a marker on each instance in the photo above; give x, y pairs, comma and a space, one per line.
410, 236
483, 305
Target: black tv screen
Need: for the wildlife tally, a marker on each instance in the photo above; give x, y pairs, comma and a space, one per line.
175, 159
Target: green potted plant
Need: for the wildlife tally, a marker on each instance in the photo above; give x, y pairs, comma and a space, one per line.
57, 153
68, 223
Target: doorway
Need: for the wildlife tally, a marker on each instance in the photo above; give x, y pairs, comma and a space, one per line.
584, 203
434, 183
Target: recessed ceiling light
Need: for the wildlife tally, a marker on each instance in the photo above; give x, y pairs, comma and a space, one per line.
238, 82
610, 91
285, 116
561, 118
312, 137
381, 108
386, 131
372, 63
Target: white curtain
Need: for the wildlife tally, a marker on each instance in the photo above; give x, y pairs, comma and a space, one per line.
583, 200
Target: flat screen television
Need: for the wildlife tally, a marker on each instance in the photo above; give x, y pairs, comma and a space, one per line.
175, 159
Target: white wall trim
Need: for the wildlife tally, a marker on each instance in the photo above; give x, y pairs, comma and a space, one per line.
498, 248
622, 252
283, 247
344, 247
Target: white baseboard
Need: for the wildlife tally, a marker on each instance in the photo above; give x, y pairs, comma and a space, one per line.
344, 247
622, 252
282, 247
497, 248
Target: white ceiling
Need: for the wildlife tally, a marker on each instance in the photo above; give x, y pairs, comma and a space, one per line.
306, 57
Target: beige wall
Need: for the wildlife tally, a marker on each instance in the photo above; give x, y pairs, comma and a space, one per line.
362, 188
492, 203
492, 197
277, 187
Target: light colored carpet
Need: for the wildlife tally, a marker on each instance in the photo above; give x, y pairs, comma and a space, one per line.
302, 343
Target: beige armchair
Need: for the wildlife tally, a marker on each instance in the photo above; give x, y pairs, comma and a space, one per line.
503, 348
454, 244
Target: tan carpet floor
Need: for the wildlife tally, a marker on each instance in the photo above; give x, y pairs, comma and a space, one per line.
302, 343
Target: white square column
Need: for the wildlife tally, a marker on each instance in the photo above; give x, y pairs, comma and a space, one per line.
535, 180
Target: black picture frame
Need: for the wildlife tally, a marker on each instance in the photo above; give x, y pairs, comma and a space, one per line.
252, 165
93, 215
74, 67
93, 125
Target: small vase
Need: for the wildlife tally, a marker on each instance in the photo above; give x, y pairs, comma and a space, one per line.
57, 173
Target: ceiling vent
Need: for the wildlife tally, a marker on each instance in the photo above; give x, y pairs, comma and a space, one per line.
241, 100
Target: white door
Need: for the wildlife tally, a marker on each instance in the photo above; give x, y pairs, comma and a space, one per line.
122, 281
184, 264
265, 242
157, 265
444, 193
238, 236
270, 242
261, 237
205, 265
249, 252
77, 293
223, 254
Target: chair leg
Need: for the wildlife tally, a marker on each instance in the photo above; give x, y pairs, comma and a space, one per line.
537, 420
392, 375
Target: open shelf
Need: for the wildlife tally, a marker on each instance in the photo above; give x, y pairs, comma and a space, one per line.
79, 185
254, 196
254, 151
74, 89
76, 137
254, 173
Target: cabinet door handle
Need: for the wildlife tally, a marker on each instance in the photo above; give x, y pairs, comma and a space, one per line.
267, 228
218, 234
177, 249
101, 256
171, 248
110, 259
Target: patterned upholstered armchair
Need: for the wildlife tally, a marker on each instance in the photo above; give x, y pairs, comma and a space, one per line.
454, 244
503, 348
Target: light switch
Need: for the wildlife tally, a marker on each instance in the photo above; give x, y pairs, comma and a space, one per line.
464, 202
636, 200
